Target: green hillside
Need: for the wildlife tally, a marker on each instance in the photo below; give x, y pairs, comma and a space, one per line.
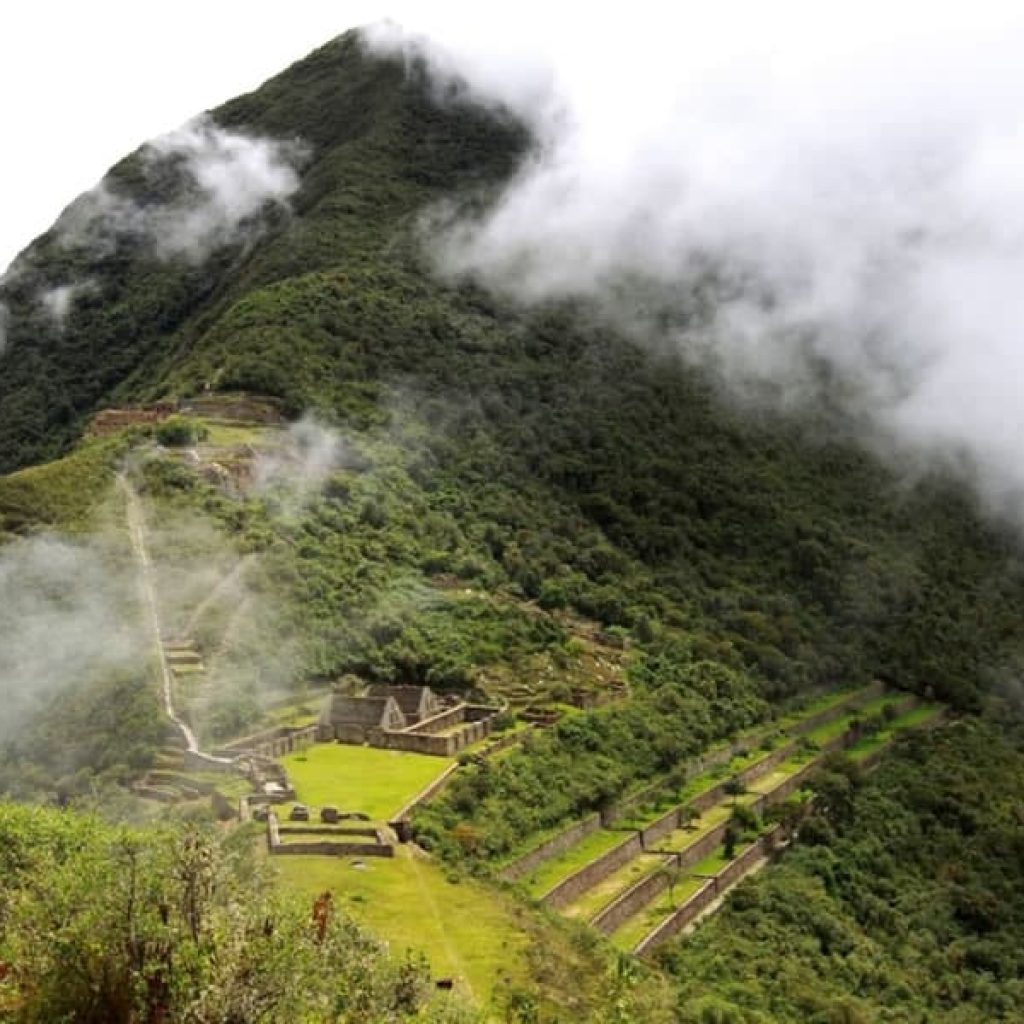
520, 505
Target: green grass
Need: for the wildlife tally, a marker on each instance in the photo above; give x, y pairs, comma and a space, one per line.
376, 782
221, 433
551, 872
705, 781
62, 493
464, 930
830, 730
916, 716
827, 700
681, 838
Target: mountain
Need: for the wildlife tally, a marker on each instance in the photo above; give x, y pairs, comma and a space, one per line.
514, 503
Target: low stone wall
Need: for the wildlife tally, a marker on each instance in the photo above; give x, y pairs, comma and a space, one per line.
550, 848
676, 922
276, 742
657, 830
437, 746
722, 755
325, 847
427, 792
738, 868
698, 765
593, 872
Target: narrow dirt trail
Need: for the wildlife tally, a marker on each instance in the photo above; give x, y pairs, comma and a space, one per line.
435, 912
137, 532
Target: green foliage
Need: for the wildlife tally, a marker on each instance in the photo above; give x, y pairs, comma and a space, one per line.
181, 432
118, 925
64, 494
585, 762
102, 733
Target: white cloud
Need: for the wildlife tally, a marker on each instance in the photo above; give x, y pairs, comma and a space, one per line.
228, 179
841, 185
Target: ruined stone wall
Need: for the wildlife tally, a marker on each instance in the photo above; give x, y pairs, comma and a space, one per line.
633, 900
676, 922
593, 872
276, 742
439, 722
551, 848
438, 746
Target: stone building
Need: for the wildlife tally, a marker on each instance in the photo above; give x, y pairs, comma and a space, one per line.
416, 702
360, 719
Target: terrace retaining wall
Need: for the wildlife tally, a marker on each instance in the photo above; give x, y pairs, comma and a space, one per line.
632, 901
550, 848
429, 790
716, 886
593, 872
806, 725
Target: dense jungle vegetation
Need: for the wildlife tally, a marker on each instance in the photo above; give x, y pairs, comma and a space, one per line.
556, 472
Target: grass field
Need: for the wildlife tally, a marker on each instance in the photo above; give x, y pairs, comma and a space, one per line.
465, 931
376, 782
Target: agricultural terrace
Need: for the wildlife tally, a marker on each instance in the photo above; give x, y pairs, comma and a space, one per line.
377, 782
645, 862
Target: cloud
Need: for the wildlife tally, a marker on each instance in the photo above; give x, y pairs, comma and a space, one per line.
215, 184
811, 202
297, 468
59, 301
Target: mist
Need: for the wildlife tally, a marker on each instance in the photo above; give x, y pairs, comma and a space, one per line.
68, 614
228, 179
294, 470
812, 203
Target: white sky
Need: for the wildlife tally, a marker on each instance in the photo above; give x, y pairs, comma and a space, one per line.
82, 84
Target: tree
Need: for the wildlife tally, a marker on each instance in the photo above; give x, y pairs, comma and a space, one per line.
730, 839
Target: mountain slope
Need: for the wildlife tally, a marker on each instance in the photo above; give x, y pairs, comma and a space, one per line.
515, 503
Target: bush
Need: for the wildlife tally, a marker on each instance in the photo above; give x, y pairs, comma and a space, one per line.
181, 432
